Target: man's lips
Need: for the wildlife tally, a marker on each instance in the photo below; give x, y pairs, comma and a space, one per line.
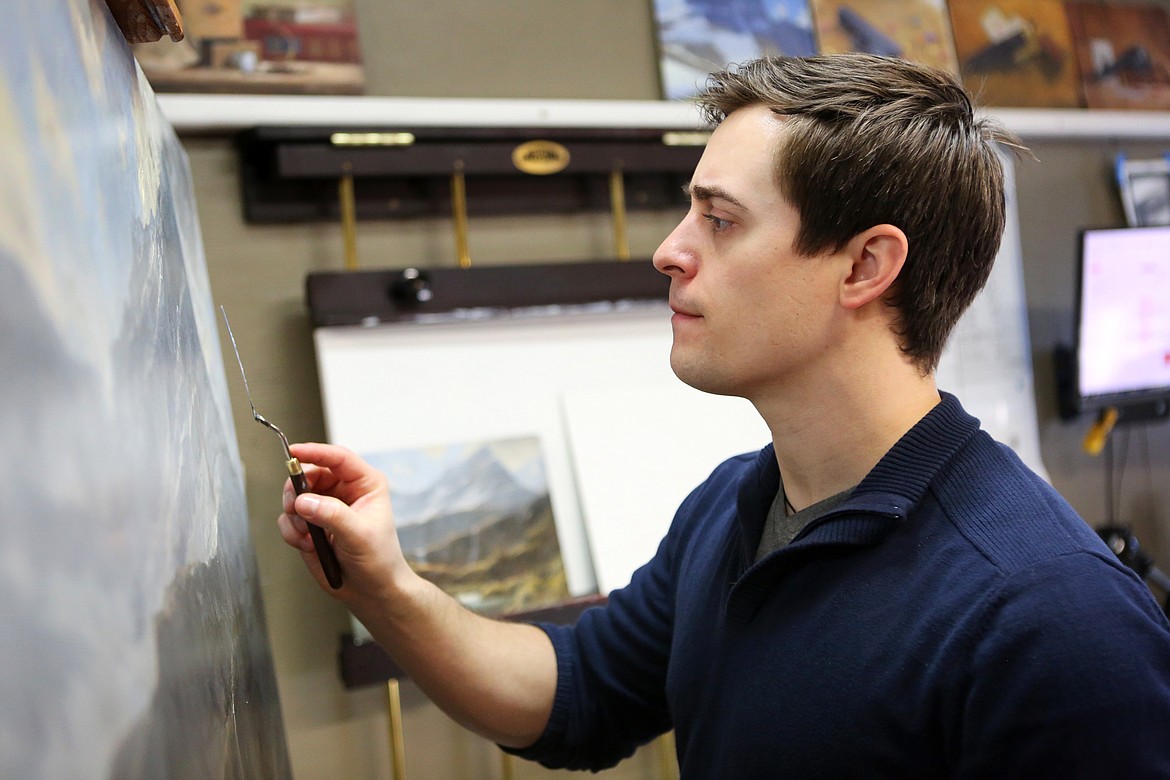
683, 311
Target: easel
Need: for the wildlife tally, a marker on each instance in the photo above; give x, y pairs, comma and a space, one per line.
361, 662
663, 746
408, 174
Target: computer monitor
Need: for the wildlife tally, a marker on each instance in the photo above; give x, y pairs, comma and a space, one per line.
1122, 350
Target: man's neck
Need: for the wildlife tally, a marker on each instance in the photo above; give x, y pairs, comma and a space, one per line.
830, 433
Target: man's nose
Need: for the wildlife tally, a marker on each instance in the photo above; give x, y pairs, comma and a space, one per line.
674, 257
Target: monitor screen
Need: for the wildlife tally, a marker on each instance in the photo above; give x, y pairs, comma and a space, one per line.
1123, 309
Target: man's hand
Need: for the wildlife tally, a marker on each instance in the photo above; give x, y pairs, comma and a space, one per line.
350, 500
496, 678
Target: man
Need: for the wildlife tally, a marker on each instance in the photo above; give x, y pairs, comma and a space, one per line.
881, 592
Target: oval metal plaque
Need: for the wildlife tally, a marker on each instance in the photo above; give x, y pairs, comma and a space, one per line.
540, 158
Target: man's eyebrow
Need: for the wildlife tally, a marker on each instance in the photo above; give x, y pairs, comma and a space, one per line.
703, 192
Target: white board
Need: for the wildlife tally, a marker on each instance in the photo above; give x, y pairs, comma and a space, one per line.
585, 384
638, 451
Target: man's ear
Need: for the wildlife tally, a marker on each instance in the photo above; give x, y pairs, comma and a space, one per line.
877, 255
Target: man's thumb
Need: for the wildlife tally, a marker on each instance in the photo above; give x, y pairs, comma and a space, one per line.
307, 506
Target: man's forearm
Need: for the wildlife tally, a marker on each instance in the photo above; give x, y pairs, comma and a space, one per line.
496, 678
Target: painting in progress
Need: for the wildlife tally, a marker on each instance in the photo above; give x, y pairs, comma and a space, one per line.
476, 519
134, 641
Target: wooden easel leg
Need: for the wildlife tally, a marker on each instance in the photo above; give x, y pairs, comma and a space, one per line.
397, 743
459, 215
507, 766
667, 758
348, 220
617, 205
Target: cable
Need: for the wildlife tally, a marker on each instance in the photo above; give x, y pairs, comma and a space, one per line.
1119, 467
1110, 517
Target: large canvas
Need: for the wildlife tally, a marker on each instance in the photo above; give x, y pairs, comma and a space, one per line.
696, 37
1017, 52
918, 30
133, 641
1124, 54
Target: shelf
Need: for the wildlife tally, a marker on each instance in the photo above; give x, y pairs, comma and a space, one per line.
1081, 124
225, 114
232, 113
291, 174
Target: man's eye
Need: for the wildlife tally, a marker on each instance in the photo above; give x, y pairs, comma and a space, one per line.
717, 222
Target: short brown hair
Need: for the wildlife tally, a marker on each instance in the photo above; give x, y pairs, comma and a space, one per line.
876, 140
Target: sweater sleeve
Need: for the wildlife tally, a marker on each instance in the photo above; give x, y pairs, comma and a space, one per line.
611, 673
1070, 677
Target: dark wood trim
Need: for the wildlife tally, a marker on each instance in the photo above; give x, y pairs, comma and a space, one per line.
291, 174
388, 296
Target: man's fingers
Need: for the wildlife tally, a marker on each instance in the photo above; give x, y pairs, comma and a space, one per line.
294, 532
345, 465
287, 498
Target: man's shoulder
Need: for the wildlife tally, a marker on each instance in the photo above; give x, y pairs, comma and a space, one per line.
1011, 514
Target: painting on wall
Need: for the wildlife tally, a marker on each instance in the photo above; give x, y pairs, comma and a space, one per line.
476, 519
1124, 54
918, 30
134, 639
1144, 186
696, 37
260, 46
1017, 52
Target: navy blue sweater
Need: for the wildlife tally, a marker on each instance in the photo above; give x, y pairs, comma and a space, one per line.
954, 617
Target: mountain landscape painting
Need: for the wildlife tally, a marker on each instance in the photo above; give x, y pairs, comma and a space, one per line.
476, 519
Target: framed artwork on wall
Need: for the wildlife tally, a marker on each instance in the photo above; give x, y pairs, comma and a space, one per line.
259, 46
1017, 52
1144, 185
696, 37
1124, 54
918, 30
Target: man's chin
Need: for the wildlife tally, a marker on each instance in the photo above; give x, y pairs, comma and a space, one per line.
699, 376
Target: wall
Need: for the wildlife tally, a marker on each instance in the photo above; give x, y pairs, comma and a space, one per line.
1069, 188
518, 48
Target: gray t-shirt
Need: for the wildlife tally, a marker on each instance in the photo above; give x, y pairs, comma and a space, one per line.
781, 528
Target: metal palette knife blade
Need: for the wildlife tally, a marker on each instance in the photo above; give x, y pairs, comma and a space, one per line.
325, 554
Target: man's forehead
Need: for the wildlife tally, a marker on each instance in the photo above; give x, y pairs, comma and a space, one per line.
738, 166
